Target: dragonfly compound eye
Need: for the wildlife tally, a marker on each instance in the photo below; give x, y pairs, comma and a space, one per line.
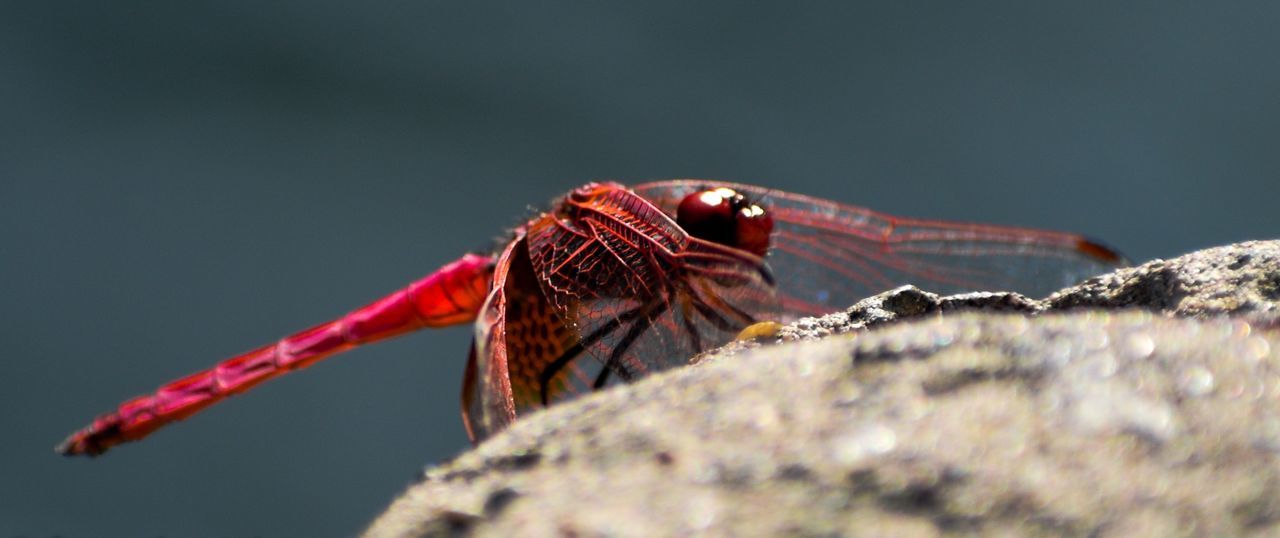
725, 216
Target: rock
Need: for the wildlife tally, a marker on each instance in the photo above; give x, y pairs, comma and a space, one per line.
1240, 280
977, 413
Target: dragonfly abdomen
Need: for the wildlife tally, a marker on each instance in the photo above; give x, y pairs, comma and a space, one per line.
451, 295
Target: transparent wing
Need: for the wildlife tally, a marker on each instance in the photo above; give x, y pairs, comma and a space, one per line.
826, 255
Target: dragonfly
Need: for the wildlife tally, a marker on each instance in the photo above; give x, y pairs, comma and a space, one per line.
614, 283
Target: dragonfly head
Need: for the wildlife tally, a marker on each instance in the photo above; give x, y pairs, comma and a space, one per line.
723, 215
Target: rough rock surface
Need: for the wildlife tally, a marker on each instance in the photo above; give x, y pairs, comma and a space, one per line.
1240, 280
966, 416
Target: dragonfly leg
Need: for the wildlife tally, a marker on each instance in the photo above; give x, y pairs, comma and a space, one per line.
744, 317
638, 326
714, 317
554, 368
690, 329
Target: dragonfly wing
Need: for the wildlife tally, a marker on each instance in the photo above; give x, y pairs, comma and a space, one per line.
524, 355
829, 255
487, 404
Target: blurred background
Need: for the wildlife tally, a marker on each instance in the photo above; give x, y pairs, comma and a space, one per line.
180, 183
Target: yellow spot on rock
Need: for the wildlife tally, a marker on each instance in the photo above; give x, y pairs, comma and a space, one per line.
756, 331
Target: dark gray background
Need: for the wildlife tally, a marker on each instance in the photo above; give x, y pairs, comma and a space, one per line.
179, 184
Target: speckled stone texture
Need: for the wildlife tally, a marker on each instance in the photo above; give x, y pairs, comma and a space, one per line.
918, 415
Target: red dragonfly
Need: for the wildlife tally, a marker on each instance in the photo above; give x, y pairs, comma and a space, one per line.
615, 283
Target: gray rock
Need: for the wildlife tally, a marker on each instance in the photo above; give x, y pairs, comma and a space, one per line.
1240, 280
971, 414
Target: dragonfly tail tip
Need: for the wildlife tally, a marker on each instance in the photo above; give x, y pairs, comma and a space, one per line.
75, 445
1102, 251
64, 448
